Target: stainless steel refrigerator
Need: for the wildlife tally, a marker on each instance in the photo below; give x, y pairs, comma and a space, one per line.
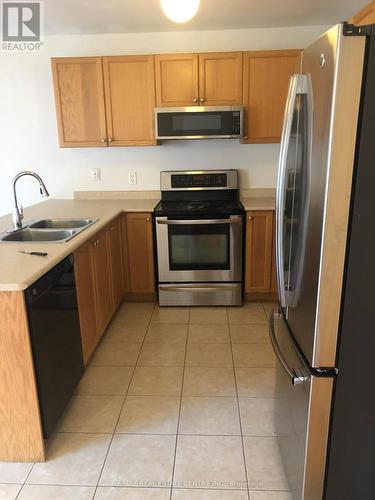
322, 332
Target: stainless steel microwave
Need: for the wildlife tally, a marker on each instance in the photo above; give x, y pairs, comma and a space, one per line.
199, 122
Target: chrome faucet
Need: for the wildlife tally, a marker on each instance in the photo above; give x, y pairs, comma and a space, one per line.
18, 210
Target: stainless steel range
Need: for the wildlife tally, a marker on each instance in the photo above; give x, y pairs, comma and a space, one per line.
199, 234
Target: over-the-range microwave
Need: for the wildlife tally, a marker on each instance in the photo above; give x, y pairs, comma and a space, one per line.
199, 122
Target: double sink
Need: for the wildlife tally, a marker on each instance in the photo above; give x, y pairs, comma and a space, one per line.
53, 230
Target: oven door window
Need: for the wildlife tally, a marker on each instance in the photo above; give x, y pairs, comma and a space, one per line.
199, 247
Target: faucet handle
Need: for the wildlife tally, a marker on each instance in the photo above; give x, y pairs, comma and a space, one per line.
21, 212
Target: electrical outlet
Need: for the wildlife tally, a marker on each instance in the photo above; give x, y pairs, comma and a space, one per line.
95, 174
132, 178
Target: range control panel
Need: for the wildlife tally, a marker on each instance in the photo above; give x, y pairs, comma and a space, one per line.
190, 180
186, 181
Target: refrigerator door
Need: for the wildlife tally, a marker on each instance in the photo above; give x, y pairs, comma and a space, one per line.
313, 193
292, 190
302, 411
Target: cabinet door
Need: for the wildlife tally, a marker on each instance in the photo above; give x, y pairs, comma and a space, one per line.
130, 100
176, 77
220, 78
364, 16
79, 100
86, 299
140, 252
259, 237
115, 254
266, 83
102, 279
125, 252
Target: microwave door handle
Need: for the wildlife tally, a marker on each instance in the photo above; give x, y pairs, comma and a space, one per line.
294, 378
297, 85
231, 220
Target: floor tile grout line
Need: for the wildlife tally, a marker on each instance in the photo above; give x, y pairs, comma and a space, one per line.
122, 406
179, 410
239, 413
24, 483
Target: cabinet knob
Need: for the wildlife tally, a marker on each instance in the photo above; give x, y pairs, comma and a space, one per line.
250, 217
201, 99
111, 228
195, 99
103, 140
110, 139
148, 219
94, 243
244, 137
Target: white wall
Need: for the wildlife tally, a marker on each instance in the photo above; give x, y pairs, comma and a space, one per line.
28, 134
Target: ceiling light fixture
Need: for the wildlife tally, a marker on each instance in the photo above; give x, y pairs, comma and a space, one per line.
180, 11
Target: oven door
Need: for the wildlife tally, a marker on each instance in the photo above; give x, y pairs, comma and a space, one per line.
199, 250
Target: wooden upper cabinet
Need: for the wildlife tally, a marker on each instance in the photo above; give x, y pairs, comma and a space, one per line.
140, 253
115, 259
79, 100
258, 253
265, 87
220, 78
130, 100
365, 15
210, 79
176, 78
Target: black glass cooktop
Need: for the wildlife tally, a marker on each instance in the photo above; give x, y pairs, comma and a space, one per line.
201, 208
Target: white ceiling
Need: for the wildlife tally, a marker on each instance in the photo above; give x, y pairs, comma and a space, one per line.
132, 16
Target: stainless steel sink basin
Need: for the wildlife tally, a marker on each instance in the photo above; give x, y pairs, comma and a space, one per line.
62, 223
53, 230
39, 235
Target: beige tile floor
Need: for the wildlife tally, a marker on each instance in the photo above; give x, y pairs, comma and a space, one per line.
172, 396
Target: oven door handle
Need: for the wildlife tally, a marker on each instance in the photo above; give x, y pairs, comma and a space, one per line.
232, 220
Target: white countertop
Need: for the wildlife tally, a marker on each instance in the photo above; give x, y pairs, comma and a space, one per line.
18, 271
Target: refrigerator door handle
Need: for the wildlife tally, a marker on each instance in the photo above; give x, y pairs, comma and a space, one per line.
294, 378
298, 85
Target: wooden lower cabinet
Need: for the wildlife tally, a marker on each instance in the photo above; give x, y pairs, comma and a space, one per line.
140, 252
100, 283
86, 303
104, 306
258, 260
115, 261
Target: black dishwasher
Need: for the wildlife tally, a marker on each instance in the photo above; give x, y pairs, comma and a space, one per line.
56, 340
